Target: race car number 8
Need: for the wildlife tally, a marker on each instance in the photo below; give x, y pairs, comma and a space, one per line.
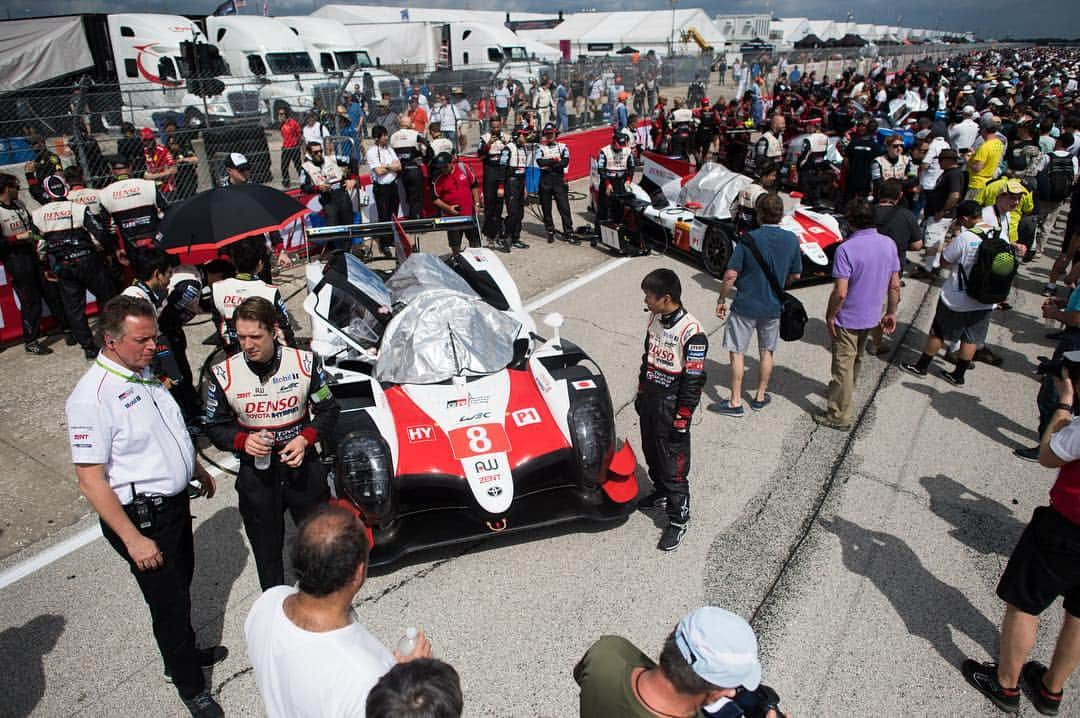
478, 439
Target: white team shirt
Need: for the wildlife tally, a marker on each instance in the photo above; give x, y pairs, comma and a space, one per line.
130, 423
380, 157
302, 674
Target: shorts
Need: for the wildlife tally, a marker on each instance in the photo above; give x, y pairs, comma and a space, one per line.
1044, 565
934, 231
739, 329
966, 327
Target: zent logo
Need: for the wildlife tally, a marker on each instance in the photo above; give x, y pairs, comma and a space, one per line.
524, 417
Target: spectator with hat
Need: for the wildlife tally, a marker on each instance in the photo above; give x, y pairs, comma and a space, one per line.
457, 194
237, 169
963, 134
710, 656
160, 165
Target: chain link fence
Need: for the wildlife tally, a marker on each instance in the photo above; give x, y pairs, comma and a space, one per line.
86, 123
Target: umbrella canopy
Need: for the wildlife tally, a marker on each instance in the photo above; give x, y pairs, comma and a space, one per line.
223, 215
626, 51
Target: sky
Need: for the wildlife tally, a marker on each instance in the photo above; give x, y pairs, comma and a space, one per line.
987, 18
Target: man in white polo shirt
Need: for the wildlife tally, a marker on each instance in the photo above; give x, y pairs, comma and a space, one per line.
134, 461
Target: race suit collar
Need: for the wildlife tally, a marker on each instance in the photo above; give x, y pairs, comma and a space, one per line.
265, 369
668, 320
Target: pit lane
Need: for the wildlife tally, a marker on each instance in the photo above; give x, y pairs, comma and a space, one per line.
513, 614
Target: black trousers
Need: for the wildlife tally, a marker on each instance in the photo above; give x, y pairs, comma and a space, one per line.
167, 590
386, 203
453, 236
553, 186
25, 274
515, 206
76, 278
604, 202
412, 183
667, 453
337, 206
263, 498
493, 203
289, 156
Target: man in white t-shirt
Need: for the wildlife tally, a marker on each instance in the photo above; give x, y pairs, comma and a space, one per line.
312, 657
315, 131
959, 317
964, 133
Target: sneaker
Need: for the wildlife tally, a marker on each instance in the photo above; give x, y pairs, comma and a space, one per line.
983, 678
1029, 255
571, 238
36, 347
1003, 306
504, 245
655, 500
203, 705
518, 244
987, 357
207, 657
90, 353
830, 423
69, 339
953, 357
1031, 680
725, 408
952, 378
759, 405
1027, 453
913, 368
551, 237
672, 537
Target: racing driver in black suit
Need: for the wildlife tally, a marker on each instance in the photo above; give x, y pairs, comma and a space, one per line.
669, 389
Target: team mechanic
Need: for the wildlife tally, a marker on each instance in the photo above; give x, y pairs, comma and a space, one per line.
131, 207
268, 388
491, 147
410, 147
615, 165
69, 246
134, 460
553, 157
669, 389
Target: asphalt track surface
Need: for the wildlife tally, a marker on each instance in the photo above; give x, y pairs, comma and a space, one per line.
866, 560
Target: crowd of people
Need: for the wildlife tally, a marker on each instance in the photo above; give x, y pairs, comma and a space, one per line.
992, 148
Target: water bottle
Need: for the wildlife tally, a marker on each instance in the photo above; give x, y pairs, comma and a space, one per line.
262, 463
407, 643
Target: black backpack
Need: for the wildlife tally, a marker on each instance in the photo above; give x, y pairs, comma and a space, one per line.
1059, 177
991, 276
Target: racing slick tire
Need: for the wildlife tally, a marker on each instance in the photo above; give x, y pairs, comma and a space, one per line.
716, 249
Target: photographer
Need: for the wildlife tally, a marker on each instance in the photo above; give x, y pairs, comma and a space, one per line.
1044, 565
707, 667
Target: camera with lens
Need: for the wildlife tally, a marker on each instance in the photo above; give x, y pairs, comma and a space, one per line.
748, 704
1070, 361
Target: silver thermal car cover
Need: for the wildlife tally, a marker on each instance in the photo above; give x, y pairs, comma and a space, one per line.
443, 333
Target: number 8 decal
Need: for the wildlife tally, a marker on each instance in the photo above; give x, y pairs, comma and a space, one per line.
478, 439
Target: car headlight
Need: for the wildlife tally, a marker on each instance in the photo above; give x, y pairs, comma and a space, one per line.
593, 433
219, 108
364, 473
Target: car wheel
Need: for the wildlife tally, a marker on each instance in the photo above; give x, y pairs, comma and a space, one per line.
716, 249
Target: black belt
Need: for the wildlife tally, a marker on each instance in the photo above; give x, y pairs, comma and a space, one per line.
160, 503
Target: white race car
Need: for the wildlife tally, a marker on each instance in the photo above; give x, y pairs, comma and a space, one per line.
676, 206
457, 420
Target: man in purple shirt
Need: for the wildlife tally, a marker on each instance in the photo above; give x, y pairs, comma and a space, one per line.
865, 268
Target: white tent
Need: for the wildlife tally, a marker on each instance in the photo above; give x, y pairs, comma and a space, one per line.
598, 33
789, 30
33, 51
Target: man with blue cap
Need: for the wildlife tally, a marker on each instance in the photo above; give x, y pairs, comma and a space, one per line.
708, 661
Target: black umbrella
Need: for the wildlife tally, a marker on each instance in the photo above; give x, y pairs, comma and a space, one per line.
224, 215
627, 50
